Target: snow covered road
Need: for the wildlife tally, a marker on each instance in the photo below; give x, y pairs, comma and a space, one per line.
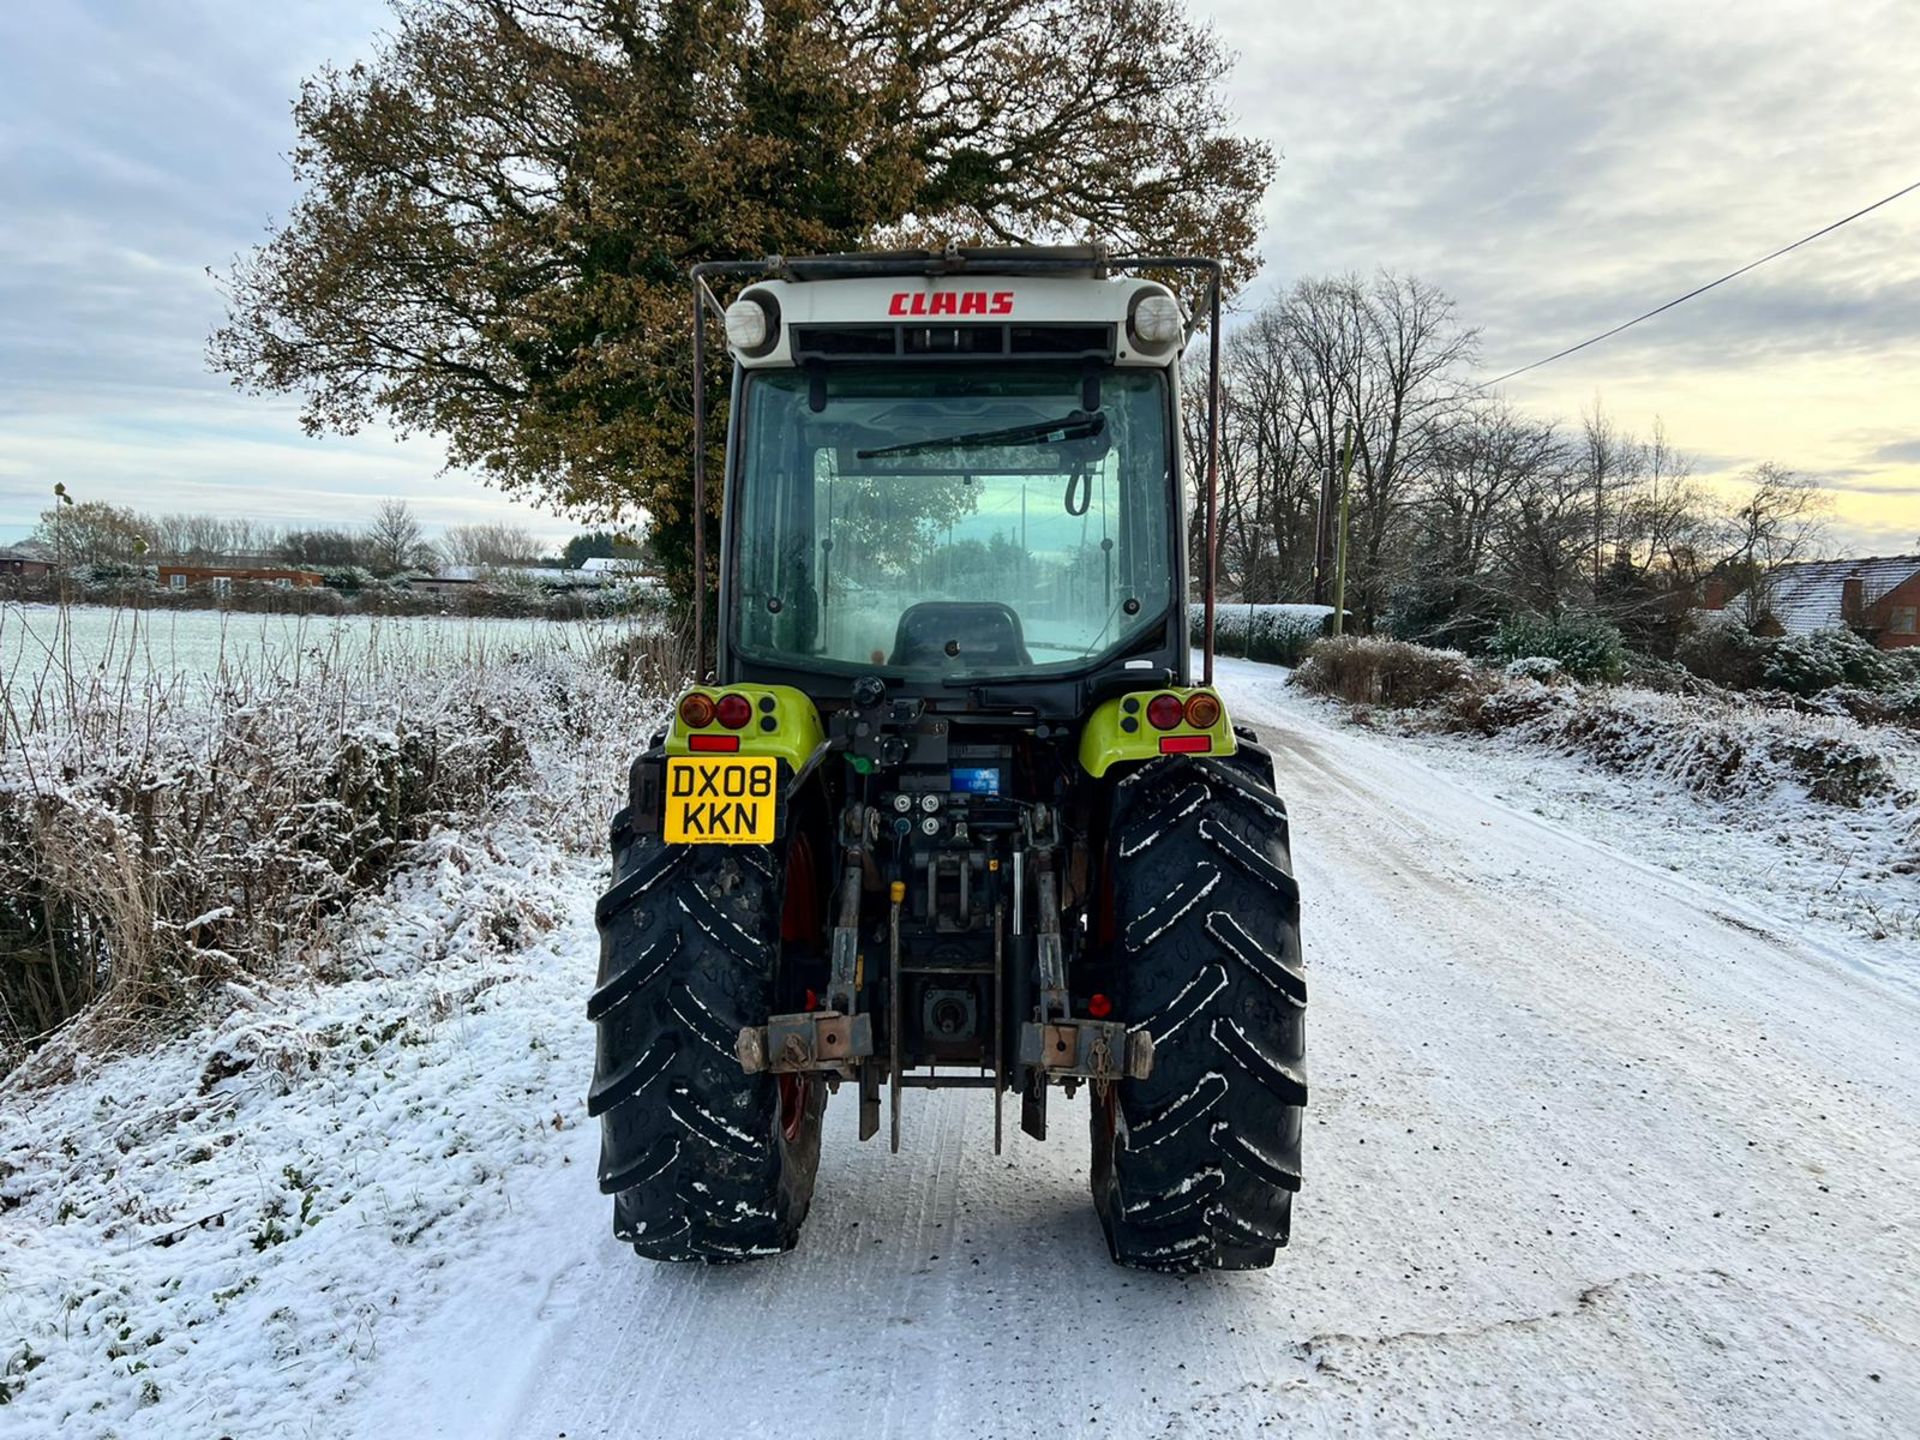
1591, 1150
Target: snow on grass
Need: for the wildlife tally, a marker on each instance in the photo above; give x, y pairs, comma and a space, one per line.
220, 1236
214, 1224
200, 641
1814, 817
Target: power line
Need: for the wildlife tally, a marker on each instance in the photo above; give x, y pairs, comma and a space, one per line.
1681, 300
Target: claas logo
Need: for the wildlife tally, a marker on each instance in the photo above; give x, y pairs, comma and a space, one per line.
952, 302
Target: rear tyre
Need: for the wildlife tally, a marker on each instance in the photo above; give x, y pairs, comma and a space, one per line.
1195, 1167
704, 1161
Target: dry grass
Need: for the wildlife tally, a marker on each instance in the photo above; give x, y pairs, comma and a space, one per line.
163, 834
1363, 670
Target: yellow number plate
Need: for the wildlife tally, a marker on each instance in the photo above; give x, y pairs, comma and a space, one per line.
721, 799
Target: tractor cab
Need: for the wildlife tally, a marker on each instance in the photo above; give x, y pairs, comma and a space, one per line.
954, 482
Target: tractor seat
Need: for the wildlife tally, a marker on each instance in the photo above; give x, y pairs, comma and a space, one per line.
974, 633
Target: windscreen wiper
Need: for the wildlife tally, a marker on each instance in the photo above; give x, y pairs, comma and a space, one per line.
1076, 425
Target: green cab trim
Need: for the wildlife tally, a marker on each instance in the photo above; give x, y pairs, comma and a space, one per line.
1118, 732
793, 735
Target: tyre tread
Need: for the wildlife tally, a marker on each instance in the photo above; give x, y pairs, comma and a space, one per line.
1200, 1171
689, 1145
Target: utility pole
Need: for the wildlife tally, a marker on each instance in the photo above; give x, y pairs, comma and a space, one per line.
1323, 531
1340, 564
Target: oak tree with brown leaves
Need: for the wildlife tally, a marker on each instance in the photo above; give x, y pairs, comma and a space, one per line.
500, 209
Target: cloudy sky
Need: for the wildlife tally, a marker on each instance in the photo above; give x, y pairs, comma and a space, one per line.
1557, 166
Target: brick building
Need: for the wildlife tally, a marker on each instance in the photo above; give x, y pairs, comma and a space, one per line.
19, 562
1878, 598
223, 577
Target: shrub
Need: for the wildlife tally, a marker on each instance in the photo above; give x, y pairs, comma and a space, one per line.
1368, 671
1718, 647
1585, 645
1805, 665
1904, 667
348, 578
1491, 711
1544, 668
1714, 749
1666, 677
1838, 771
161, 833
1275, 634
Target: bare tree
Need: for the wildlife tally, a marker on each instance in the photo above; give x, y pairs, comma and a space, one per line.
89, 532
1277, 479
246, 536
1781, 519
1539, 551
1330, 358
496, 543
1415, 347
1463, 510
1665, 518
1327, 344
1611, 462
395, 541
1481, 460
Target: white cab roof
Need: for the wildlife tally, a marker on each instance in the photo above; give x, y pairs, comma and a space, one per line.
955, 300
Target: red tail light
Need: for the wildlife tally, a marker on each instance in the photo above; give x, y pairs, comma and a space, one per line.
714, 744
1164, 712
733, 711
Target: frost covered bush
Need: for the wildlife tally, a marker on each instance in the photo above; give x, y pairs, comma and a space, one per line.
1275, 634
1718, 647
1586, 646
1713, 748
348, 578
163, 833
1544, 668
1805, 665
1669, 677
1898, 704
1506, 707
1903, 666
1368, 671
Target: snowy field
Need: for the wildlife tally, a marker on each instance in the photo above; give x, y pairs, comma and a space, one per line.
1597, 1145
200, 642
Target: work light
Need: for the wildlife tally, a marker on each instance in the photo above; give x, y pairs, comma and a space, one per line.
753, 324
1155, 322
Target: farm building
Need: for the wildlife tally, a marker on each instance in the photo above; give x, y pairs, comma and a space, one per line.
179, 576
614, 567
21, 562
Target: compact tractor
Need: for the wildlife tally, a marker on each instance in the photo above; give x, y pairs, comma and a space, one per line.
949, 806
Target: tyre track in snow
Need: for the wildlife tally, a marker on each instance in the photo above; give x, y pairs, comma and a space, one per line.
1581, 1155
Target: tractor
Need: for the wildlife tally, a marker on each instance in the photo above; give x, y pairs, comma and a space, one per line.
948, 806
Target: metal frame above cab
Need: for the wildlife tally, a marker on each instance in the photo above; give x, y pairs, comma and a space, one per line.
1086, 262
